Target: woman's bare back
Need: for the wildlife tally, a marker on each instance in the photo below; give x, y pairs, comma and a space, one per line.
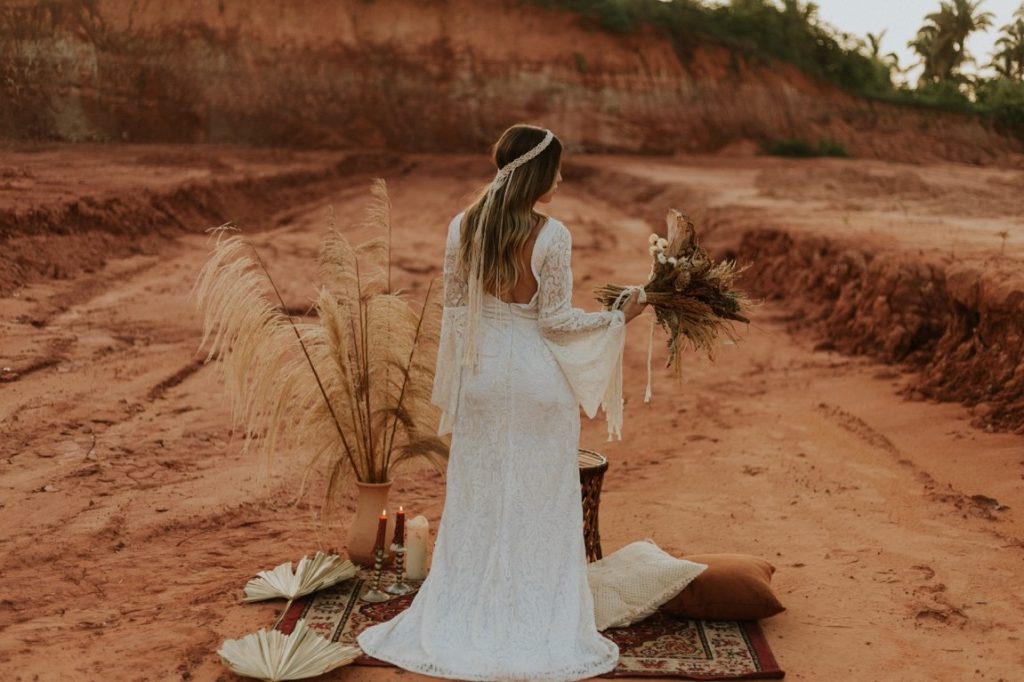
526, 286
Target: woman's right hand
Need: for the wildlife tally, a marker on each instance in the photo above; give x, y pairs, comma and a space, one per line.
632, 307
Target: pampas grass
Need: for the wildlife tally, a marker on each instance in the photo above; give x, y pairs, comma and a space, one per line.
694, 298
352, 389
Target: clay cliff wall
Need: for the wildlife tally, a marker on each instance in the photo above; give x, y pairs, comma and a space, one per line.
420, 75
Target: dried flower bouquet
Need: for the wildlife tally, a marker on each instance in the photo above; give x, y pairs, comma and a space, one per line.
694, 298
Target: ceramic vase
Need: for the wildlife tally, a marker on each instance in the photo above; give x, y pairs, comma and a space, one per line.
362, 532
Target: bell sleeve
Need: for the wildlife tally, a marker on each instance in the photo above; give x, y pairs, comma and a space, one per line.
448, 369
587, 346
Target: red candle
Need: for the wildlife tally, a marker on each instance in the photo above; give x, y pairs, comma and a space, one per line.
382, 525
399, 538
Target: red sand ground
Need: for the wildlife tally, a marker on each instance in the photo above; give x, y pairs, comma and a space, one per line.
129, 521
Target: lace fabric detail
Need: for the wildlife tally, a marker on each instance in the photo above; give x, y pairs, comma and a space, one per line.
557, 318
448, 370
587, 345
454, 283
507, 596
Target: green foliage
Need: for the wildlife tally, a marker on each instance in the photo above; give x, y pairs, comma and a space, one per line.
934, 97
799, 148
617, 16
1003, 100
944, 94
940, 42
832, 148
1008, 60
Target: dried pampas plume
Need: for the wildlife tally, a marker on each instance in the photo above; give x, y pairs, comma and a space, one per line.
353, 389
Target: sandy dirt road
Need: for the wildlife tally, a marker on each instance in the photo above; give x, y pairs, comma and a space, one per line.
130, 520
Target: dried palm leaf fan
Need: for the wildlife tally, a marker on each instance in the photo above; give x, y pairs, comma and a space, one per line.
272, 655
694, 298
352, 389
310, 575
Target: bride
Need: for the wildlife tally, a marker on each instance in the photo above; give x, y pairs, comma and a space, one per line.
507, 597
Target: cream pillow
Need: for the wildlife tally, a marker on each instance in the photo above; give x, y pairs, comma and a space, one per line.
631, 583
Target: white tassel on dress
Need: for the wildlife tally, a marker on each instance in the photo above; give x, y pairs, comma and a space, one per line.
474, 303
613, 400
650, 352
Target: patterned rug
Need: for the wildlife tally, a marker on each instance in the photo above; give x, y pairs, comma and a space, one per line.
660, 646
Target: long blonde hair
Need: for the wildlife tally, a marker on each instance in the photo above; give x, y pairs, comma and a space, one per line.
511, 219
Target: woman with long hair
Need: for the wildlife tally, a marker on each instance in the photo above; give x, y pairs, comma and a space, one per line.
507, 596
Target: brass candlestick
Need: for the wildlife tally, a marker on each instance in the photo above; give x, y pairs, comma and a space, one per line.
399, 587
374, 594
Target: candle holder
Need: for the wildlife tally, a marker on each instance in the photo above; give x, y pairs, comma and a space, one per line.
374, 594
399, 587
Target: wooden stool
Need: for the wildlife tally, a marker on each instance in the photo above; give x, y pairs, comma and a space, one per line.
592, 468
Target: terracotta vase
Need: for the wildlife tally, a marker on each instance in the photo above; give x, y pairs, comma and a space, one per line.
362, 532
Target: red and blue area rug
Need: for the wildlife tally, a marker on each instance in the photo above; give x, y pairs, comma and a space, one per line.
659, 646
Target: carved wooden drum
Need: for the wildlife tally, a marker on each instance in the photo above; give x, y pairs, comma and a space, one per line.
592, 468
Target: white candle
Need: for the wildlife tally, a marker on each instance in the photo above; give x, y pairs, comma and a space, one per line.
417, 537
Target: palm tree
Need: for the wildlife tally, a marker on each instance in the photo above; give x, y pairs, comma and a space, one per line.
875, 43
926, 44
890, 59
1009, 60
884, 65
940, 43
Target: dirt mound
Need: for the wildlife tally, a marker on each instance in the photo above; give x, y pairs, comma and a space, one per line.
958, 325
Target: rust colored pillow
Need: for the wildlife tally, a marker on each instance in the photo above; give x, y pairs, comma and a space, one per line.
733, 587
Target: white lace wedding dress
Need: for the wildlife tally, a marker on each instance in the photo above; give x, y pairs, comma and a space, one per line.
506, 597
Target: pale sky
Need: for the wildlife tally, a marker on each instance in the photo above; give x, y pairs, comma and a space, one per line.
902, 18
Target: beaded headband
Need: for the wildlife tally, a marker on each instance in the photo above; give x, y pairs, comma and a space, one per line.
505, 171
